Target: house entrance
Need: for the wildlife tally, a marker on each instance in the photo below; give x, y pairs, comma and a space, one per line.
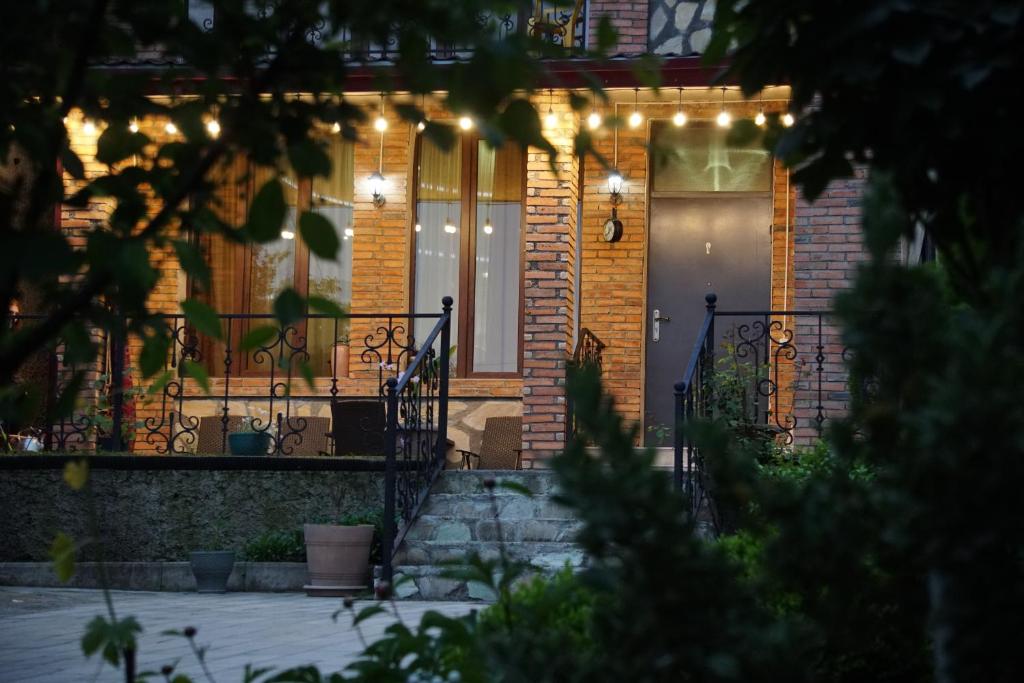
710, 220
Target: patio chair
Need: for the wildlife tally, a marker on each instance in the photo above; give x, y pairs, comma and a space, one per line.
305, 435
358, 427
501, 448
212, 438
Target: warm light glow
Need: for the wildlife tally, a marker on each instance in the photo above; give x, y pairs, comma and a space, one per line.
449, 227
349, 232
679, 119
421, 126
171, 128
488, 228
418, 227
377, 183
723, 119
213, 127
336, 128
615, 182
465, 123
88, 127
381, 124
635, 119
760, 118
133, 126
594, 121
788, 120
287, 234
551, 119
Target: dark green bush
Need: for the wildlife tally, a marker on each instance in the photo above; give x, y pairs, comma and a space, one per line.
276, 546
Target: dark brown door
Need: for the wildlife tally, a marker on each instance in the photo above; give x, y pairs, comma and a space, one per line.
709, 242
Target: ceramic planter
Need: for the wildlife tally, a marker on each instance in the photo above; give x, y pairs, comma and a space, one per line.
249, 443
338, 558
212, 569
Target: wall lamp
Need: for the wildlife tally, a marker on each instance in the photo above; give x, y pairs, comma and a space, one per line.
615, 187
377, 189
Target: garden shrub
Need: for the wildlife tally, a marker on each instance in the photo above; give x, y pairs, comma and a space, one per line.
276, 546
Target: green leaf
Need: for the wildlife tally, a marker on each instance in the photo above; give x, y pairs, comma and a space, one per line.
203, 317
607, 37
324, 305
198, 373
306, 370
267, 212
76, 474
192, 262
259, 336
62, 552
319, 235
117, 143
515, 486
153, 356
368, 613
289, 307
72, 164
309, 159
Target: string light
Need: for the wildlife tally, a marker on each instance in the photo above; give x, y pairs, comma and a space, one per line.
133, 126
418, 227
170, 128
788, 120
287, 234
551, 119
213, 128
449, 227
336, 128
635, 119
760, 118
88, 127
422, 124
488, 228
465, 123
723, 119
381, 123
349, 232
680, 118
594, 121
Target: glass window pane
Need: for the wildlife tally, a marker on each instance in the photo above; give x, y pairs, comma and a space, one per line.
332, 279
438, 212
272, 265
498, 215
698, 158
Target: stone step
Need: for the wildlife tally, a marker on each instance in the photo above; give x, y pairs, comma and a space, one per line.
544, 555
449, 529
538, 482
479, 506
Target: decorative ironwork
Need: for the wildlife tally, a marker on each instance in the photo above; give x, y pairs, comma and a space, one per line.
777, 389
588, 353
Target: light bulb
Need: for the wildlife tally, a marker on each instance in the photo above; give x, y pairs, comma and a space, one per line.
350, 232
788, 120
377, 183
421, 126
381, 124
213, 127
635, 119
465, 123
287, 234
679, 119
171, 128
88, 127
760, 118
418, 227
133, 126
336, 128
594, 121
488, 228
449, 227
551, 119
723, 119
615, 182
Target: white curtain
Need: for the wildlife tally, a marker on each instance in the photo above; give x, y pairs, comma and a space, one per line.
437, 262
496, 318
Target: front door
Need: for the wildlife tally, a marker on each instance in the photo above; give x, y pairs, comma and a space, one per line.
699, 244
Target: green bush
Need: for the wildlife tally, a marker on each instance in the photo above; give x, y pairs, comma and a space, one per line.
276, 546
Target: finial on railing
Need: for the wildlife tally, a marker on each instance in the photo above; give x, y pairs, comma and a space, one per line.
680, 387
446, 303
711, 298
391, 383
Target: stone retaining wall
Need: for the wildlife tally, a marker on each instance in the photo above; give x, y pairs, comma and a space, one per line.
165, 514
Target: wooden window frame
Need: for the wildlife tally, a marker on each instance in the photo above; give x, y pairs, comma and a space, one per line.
467, 254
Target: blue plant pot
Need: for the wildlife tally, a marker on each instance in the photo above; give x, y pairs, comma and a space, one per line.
249, 443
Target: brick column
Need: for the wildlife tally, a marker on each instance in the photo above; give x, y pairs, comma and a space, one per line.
549, 267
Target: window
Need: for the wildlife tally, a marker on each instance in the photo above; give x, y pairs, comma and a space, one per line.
246, 279
469, 214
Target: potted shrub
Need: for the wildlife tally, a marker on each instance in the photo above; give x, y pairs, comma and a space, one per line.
249, 440
340, 356
338, 554
211, 568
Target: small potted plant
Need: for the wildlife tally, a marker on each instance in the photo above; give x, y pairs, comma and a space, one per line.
249, 440
101, 414
340, 356
338, 553
211, 568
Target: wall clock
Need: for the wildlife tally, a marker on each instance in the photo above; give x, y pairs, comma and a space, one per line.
612, 228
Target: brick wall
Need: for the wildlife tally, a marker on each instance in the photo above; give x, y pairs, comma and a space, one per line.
629, 19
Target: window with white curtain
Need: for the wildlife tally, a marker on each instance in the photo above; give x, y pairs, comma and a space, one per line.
468, 224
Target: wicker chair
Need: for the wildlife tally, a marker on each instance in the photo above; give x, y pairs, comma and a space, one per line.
358, 427
305, 436
213, 439
501, 446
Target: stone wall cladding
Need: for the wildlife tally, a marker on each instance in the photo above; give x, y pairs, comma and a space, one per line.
680, 27
165, 514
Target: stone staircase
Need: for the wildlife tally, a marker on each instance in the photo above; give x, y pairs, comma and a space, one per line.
458, 519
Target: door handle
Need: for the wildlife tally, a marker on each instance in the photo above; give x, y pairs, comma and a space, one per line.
656, 325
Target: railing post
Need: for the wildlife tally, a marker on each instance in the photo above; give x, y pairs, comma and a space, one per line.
712, 299
442, 396
677, 464
390, 476
117, 346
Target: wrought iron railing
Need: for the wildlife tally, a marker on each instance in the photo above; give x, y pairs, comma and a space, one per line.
588, 353
776, 375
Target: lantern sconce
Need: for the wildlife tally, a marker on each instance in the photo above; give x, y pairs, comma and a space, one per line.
377, 182
615, 187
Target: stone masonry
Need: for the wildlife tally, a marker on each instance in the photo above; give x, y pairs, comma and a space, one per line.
680, 27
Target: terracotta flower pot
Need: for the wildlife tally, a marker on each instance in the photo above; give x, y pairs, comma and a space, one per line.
338, 558
339, 360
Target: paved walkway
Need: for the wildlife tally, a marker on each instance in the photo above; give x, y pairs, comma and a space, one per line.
41, 630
